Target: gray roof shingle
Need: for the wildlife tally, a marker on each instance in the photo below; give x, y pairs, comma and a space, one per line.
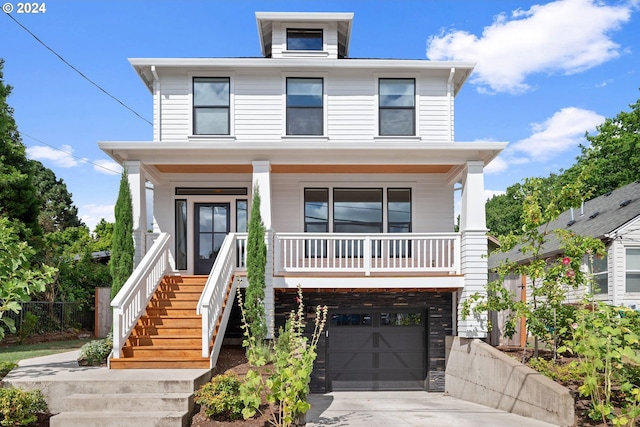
599, 217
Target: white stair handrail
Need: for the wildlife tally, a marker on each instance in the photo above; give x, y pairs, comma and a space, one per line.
213, 296
131, 301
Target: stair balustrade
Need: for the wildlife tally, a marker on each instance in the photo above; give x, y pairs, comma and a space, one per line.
131, 301
219, 292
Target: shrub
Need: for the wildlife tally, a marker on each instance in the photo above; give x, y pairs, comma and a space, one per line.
221, 396
96, 352
6, 367
20, 408
28, 326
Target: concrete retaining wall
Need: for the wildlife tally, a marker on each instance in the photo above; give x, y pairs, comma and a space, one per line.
479, 373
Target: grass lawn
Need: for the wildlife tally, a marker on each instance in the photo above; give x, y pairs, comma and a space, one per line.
19, 352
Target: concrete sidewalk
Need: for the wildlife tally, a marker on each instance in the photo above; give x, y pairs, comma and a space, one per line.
406, 408
60, 377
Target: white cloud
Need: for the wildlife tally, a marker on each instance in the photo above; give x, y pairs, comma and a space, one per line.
91, 214
107, 167
563, 131
564, 36
62, 157
497, 165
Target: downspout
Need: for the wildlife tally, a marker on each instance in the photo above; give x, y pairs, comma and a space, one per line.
156, 105
452, 73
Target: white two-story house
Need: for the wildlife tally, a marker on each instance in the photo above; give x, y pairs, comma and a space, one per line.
356, 165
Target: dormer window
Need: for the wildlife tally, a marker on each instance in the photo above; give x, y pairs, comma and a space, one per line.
304, 39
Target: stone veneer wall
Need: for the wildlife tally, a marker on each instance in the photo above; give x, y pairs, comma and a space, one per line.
439, 322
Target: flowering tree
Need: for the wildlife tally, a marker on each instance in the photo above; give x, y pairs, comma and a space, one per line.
549, 278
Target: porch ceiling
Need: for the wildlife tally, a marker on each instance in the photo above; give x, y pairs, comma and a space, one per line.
292, 155
331, 169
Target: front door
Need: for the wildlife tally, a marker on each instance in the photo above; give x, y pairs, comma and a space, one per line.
212, 224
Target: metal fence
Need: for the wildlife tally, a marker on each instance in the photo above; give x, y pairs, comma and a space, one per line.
52, 317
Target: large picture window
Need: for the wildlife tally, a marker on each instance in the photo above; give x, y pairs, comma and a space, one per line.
633, 270
304, 39
397, 115
304, 106
357, 210
211, 105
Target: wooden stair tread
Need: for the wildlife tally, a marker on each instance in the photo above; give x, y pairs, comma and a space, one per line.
169, 333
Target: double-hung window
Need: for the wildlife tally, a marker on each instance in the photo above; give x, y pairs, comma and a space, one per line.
211, 105
304, 106
397, 111
633, 270
304, 39
600, 275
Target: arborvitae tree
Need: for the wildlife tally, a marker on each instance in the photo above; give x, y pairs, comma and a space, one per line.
18, 200
122, 250
256, 263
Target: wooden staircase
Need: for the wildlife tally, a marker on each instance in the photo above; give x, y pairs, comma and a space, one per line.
169, 334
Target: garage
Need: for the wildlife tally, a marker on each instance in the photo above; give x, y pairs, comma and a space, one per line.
376, 349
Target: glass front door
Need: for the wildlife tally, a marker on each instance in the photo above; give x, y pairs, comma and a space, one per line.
212, 224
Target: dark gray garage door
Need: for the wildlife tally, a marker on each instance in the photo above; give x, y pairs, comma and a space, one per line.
382, 349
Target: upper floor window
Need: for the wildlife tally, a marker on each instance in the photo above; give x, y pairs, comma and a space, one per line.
304, 106
304, 39
397, 107
211, 106
633, 270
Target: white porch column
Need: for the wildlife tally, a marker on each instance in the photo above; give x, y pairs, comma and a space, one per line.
262, 179
136, 176
473, 248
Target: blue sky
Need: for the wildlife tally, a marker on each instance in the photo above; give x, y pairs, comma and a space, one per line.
546, 72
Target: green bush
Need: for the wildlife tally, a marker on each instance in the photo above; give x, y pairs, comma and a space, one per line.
96, 352
6, 367
27, 327
20, 408
221, 396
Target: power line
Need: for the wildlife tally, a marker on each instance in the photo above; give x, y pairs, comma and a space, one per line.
78, 71
82, 159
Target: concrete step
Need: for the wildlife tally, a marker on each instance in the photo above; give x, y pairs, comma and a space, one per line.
129, 402
121, 419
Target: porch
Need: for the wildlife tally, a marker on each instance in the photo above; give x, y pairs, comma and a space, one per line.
152, 308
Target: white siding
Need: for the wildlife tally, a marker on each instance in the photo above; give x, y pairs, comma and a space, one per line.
279, 37
617, 253
432, 198
259, 105
351, 108
175, 107
433, 108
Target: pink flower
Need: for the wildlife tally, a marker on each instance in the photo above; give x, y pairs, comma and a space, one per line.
566, 260
297, 300
571, 274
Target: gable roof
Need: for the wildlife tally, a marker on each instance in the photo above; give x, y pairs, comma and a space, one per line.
602, 217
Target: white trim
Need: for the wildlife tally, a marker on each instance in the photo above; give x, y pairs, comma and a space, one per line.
305, 54
325, 98
221, 74
416, 100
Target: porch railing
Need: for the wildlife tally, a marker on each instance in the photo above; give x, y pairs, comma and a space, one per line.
131, 301
367, 253
211, 306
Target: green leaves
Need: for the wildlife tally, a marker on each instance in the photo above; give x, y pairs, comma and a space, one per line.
122, 250
18, 278
256, 265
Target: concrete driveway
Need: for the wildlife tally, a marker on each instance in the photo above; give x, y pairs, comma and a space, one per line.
406, 408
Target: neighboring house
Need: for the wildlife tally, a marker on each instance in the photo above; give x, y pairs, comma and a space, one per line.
356, 165
613, 218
